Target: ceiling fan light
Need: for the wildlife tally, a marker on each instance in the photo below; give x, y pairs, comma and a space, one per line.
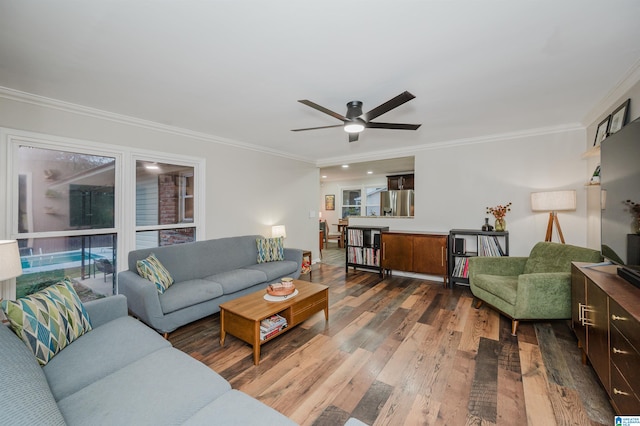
353, 127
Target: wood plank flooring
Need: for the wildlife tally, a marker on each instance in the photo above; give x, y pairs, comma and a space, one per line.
407, 351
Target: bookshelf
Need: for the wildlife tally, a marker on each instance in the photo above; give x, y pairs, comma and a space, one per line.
362, 247
474, 243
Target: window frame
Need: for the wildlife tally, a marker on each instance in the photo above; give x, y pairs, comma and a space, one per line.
124, 219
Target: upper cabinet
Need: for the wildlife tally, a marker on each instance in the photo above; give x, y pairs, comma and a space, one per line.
400, 182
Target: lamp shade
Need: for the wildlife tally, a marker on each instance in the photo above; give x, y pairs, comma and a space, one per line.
10, 265
278, 231
553, 201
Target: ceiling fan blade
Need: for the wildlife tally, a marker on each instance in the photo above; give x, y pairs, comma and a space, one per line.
388, 106
316, 128
353, 137
323, 109
394, 126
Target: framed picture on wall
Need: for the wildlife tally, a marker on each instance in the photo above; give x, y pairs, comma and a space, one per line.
603, 131
619, 117
330, 202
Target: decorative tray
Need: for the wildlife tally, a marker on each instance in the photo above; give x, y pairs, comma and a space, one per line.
271, 298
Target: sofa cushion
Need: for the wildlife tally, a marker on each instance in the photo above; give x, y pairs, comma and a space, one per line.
503, 287
238, 279
164, 387
153, 270
270, 249
188, 293
237, 408
274, 270
25, 395
99, 353
48, 320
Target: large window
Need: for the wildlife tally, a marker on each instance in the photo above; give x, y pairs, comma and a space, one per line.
351, 202
65, 222
74, 214
372, 199
165, 204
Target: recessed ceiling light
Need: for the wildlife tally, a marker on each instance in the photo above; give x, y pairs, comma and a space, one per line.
345, 166
324, 176
151, 167
369, 172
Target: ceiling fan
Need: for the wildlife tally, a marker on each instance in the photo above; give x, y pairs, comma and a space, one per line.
354, 121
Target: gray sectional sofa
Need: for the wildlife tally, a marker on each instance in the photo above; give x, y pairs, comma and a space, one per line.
206, 273
119, 373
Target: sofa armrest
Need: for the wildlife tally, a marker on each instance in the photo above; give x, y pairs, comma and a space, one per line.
296, 256
142, 297
496, 265
101, 311
544, 295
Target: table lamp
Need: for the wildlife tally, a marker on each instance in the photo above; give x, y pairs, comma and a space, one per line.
278, 231
10, 267
553, 202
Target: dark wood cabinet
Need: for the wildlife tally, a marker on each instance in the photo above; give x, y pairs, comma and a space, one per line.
423, 253
605, 316
405, 181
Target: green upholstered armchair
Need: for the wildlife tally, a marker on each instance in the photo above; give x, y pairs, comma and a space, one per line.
529, 288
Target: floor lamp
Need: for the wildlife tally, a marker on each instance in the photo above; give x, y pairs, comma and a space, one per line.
553, 202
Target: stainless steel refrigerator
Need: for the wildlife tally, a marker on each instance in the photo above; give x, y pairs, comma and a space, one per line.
396, 203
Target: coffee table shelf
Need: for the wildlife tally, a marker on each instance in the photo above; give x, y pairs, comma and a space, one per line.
241, 317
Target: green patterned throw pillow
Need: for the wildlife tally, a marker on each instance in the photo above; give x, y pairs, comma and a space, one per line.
270, 249
151, 269
49, 320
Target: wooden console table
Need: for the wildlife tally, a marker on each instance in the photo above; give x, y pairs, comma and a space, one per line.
605, 315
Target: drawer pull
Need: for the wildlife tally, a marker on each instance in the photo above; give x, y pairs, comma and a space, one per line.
619, 392
584, 320
618, 351
617, 318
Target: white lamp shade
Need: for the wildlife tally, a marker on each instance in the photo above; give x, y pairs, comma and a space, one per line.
10, 265
553, 201
278, 231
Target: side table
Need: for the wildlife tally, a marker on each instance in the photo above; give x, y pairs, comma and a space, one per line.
307, 253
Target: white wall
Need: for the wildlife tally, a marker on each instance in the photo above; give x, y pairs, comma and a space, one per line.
247, 190
593, 210
455, 184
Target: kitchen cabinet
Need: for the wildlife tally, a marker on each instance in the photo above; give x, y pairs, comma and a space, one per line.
405, 181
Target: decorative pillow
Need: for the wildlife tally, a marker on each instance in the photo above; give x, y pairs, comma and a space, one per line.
270, 249
153, 270
48, 320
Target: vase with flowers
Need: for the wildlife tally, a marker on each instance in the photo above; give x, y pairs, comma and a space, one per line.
499, 212
634, 209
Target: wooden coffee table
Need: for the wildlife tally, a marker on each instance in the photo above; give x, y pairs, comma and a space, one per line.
241, 317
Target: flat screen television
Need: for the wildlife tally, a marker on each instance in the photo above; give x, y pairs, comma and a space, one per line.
620, 186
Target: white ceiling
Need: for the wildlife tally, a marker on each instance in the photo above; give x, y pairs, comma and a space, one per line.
234, 70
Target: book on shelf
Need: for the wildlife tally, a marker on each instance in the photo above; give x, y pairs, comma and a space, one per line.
461, 267
264, 335
272, 323
364, 256
489, 246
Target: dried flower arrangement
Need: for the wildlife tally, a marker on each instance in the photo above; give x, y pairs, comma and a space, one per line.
499, 211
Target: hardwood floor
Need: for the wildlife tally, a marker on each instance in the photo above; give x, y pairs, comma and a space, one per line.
407, 351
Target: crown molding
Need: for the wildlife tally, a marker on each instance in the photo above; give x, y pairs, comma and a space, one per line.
42, 101
404, 152
630, 79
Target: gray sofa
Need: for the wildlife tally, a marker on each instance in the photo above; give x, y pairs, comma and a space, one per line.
119, 373
206, 273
